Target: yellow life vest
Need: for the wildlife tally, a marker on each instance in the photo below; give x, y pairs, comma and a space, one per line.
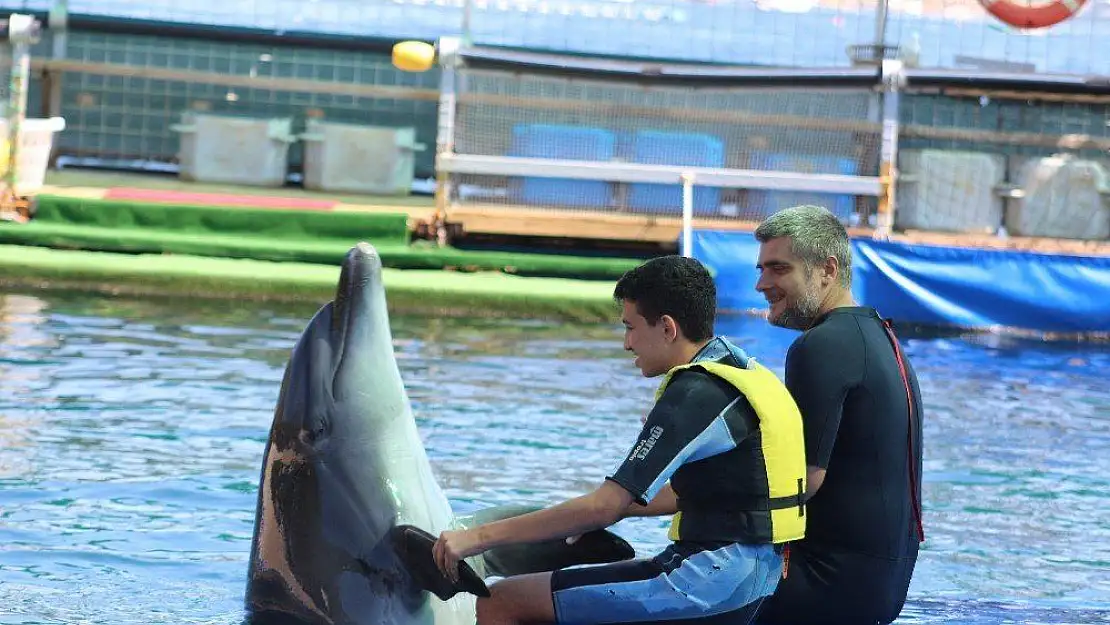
783, 446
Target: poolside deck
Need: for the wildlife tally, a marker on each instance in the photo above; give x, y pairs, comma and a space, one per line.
494, 220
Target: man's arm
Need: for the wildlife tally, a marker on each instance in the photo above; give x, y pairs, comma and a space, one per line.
685, 409
664, 503
674, 422
814, 479
819, 373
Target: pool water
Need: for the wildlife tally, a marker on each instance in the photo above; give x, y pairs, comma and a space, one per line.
131, 436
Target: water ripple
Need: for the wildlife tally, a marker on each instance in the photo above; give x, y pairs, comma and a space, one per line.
131, 434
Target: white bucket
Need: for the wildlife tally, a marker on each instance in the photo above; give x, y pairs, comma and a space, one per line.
34, 152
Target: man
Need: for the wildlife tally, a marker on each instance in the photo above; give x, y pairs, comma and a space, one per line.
861, 408
725, 433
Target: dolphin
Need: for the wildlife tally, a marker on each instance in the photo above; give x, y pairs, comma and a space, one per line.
344, 468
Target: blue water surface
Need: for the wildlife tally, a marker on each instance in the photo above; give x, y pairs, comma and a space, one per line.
131, 436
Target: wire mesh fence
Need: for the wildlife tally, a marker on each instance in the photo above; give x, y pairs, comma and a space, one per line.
969, 161
617, 127
1005, 165
121, 94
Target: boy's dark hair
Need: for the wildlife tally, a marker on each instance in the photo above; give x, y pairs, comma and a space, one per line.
676, 286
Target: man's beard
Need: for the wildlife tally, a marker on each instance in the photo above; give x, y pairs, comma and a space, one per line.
802, 314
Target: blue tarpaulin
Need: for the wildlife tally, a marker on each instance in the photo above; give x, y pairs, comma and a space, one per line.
943, 286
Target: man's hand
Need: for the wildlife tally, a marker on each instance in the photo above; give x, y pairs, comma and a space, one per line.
453, 546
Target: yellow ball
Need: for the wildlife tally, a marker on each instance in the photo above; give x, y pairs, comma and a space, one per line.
413, 56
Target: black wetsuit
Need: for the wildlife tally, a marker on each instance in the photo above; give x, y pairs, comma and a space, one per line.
861, 544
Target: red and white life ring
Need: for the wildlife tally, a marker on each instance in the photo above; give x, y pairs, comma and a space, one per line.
1020, 15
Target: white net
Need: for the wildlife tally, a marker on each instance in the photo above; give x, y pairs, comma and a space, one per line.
625, 131
1021, 167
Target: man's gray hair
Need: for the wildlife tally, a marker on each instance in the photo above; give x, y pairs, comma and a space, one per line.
815, 234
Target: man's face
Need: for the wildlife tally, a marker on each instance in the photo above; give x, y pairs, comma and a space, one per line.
793, 293
648, 342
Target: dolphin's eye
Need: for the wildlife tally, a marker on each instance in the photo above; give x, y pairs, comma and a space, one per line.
308, 437
315, 434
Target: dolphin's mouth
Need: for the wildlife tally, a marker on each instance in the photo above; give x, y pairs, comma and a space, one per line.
360, 267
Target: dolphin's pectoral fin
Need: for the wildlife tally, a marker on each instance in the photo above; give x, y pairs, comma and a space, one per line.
414, 548
494, 513
595, 547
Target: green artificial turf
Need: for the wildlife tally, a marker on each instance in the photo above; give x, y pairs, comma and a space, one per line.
272, 234
436, 292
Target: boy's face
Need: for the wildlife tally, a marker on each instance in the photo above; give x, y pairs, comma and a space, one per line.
652, 344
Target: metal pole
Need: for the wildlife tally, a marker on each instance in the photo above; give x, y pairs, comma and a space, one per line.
880, 28
445, 131
23, 30
59, 22
17, 110
467, 6
20, 32
687, 215
893, 80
